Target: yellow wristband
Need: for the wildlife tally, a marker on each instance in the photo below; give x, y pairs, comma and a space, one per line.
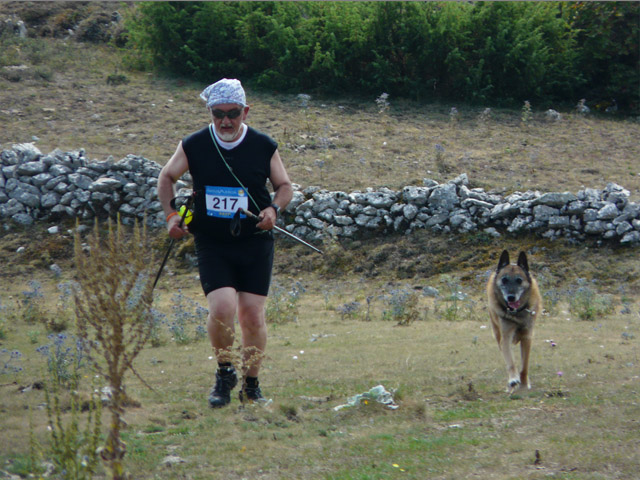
171, 215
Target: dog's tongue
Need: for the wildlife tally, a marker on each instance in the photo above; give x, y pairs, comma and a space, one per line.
514, 305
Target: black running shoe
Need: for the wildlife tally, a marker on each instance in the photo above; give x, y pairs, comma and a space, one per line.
250, 392
221, 393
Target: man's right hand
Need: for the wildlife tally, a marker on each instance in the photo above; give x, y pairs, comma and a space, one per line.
175, 230
170, 173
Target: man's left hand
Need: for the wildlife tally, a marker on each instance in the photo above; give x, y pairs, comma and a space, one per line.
268, 219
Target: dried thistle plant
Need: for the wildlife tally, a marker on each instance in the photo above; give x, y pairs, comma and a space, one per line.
251, 357
113, 297
245, 358
441, 162
454, 116
527, 113
74, 449
484, 119
383, 103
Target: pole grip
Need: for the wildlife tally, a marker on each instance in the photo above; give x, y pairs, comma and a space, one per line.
249, 214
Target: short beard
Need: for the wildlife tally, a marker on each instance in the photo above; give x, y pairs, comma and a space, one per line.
226, 137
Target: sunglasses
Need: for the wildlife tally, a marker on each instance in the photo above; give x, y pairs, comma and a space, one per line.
220, 114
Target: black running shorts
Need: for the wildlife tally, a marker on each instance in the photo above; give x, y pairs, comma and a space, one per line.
244, 265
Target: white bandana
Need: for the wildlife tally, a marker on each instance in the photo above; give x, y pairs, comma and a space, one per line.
227, 90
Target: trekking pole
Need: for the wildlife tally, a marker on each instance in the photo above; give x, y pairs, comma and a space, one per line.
184, 212
164, 260
253, 216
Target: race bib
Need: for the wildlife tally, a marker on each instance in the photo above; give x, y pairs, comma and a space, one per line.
224, 202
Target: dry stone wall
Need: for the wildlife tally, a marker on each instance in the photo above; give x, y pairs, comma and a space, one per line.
37, 187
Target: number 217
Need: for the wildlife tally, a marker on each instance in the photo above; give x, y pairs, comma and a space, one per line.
224, 203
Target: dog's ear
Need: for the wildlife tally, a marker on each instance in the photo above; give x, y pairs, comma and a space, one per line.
522, 262
504, 260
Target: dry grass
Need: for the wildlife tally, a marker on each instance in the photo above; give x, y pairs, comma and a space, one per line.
454, 420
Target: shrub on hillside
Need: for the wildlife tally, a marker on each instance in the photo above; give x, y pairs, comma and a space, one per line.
499, 51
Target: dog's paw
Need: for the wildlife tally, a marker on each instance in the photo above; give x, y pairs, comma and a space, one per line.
514, 383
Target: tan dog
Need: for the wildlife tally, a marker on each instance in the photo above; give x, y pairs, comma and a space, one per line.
514, 303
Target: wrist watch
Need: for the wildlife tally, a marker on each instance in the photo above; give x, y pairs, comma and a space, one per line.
276, 208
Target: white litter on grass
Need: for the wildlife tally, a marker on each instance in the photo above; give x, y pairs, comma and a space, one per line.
172, 460
316, 336
262, 403
377, 394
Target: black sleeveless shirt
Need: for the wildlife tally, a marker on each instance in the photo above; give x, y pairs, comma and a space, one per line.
212, 182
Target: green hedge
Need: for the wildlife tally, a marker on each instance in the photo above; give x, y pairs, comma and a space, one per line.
499, 52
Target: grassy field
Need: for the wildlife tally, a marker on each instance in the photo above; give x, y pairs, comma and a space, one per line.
454, 419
